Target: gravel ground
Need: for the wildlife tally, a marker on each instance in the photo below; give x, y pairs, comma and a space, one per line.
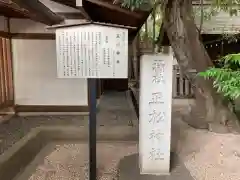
207, 155
114, 110
13, 130
70, 161
218, 157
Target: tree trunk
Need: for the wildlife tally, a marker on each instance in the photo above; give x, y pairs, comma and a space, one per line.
146, 30
154, 28
191, 54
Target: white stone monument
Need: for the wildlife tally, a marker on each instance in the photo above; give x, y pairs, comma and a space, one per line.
155, 113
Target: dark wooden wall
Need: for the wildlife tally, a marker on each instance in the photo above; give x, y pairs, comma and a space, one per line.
115, 84
220, 46
215, 44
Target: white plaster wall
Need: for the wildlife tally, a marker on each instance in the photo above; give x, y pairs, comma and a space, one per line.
3, 24
35, 76
27, 26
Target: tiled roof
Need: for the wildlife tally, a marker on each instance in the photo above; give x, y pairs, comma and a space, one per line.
220, 23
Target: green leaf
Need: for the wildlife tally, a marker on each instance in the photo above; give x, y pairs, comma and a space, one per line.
226, 79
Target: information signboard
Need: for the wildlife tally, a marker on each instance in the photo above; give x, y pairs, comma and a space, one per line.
92, 51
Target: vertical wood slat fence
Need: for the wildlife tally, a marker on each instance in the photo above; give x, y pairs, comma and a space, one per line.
181, 86
6, 76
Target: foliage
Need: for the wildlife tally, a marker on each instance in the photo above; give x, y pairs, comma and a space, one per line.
215, 7
226, 76
136, 4
208, 12
231, 6
148, 33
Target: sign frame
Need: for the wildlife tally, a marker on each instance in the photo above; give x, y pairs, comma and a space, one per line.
105, 47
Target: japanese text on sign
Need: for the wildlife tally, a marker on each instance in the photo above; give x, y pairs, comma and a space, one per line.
155, 113
92, 51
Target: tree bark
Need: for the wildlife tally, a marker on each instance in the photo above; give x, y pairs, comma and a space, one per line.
154, 24
191, 54
146, 30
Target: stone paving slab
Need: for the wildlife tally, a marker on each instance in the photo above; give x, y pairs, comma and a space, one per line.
129, 170
114, 110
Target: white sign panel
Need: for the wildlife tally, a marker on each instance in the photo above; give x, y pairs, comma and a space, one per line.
155, 113
92, 51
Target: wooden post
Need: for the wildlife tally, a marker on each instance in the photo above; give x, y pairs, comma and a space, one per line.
138, 56
92, 103
174, 91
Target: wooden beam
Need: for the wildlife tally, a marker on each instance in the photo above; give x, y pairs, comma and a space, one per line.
40, 36
70, 3
50, 108
71, 15
85, 14
4, 34
10, 6
116, 8
90, 22
116, 1
39, 12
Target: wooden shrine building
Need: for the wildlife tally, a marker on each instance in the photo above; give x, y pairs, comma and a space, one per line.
28, 81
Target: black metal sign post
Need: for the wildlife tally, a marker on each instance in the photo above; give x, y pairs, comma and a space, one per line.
92, 129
